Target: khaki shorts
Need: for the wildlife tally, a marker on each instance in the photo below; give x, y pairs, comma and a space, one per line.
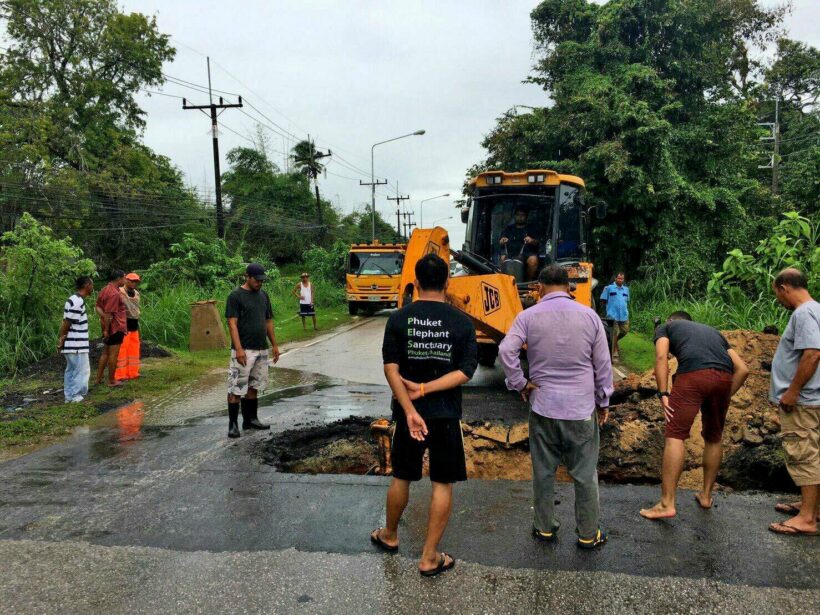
621, 328
800, 430
253, 375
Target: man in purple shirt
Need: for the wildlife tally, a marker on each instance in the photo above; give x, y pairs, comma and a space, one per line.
570, 382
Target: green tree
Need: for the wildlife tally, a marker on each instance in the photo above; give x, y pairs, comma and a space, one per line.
655, 103
307, 159
70, 129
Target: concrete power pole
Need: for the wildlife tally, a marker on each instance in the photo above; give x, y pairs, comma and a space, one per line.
220, 214
398, 198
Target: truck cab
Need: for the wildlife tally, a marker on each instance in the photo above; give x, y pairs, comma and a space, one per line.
372, 276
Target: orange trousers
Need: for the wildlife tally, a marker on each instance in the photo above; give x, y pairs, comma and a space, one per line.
128, 361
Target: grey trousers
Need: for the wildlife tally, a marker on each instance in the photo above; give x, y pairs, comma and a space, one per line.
576, 444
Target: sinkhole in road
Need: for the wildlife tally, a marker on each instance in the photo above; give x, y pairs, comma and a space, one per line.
631, 452
354, 446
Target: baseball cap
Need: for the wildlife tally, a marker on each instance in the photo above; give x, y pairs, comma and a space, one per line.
305, 274
133, 276
256, 271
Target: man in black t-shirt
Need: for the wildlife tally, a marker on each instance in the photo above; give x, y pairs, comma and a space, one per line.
709, 373
429, 351
520, 240
250, 322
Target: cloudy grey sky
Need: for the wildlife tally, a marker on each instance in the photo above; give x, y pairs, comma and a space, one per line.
352, 73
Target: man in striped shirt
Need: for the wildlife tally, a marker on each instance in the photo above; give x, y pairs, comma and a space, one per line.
73, 341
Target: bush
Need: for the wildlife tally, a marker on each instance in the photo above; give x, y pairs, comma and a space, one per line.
36, 278
208, 264
325, 264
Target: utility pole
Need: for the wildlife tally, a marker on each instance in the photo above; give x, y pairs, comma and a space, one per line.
398, 198
313, 170
372, 183
774, 161
220, 214
408, 224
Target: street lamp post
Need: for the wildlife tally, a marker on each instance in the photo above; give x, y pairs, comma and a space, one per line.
421, 207
373, 176
442, 220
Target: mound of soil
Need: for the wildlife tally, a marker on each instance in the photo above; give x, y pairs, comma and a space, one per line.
632, 444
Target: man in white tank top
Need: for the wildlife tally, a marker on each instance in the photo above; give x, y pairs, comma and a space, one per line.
303, 291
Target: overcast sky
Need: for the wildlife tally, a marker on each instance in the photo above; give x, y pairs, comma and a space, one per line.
352, 73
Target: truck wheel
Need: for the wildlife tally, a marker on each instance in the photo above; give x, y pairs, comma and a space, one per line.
487, 354
352, 308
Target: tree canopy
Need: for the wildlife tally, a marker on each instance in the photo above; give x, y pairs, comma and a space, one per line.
657, 104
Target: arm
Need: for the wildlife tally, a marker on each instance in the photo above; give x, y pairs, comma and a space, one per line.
272, 337
504, 238
509, 351
805, 370
740, 371
105, 320
295, 292
64, 326
662, 373
416, 424
237, 345
602, 368
450, 380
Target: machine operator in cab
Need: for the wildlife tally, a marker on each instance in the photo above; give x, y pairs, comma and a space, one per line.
519, 240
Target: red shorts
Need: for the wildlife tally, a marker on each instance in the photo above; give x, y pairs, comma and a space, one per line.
707, 390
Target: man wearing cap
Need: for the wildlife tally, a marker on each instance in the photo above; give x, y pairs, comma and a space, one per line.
128, 361
250, 321
303, 291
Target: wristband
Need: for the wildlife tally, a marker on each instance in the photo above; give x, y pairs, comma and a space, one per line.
662, 394
421, 386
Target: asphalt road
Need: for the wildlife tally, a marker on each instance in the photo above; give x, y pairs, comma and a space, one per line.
154, 510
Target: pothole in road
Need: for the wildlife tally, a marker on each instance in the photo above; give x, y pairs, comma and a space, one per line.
631, 452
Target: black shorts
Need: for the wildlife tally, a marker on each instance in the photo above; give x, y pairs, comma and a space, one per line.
115, 339
446, 445
306, 309
132, 324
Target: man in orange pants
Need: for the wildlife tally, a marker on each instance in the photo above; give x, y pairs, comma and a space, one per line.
128, 361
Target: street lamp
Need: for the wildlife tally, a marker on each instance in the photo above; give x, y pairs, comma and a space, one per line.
442, 220
421, 207
418, 133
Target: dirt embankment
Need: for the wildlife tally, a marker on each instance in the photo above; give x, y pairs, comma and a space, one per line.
631, 443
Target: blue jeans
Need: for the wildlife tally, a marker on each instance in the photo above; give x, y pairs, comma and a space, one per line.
77, 371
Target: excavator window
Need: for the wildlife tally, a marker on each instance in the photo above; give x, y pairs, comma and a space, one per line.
570, 235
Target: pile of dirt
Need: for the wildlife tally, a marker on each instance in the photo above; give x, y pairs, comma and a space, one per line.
632, 444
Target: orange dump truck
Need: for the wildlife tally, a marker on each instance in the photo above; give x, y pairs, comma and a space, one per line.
373, 271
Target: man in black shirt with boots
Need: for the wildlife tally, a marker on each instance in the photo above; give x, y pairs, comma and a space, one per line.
429, 351
250, 321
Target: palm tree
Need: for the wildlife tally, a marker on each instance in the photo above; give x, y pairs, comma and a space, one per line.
306, 160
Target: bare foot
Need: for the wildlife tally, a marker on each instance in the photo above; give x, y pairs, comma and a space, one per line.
704, 500
658, 511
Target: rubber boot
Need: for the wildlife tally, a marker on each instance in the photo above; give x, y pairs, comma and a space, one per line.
233, 420
250, 420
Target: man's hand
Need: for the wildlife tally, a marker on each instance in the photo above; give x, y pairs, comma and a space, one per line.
503, 241
527, 390
789, 401
241, 358
275, 354
60, 343
603, 416
668, 411
528, 239
413, 389
417, 426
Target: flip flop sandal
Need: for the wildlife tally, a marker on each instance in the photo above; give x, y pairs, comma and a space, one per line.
442, 566
778, 528
374, 538
543, 536
591, 543
789, 509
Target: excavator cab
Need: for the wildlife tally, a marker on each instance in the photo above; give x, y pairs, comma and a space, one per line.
546, 208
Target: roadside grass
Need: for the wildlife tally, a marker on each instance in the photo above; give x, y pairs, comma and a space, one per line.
637, 352
44, 421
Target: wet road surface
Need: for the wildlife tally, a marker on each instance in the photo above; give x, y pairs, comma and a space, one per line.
153, 509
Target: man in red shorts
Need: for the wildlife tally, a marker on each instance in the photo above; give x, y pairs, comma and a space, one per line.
709, 374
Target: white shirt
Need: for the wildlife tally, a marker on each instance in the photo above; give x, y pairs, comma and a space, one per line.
306, 294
